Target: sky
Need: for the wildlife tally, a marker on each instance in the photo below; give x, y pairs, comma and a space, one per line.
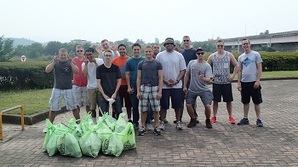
94, 20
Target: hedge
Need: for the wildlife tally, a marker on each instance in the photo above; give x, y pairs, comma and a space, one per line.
31, 75
27, 75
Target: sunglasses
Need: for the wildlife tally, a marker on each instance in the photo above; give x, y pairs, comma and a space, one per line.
186, 40
200, 53
80, 51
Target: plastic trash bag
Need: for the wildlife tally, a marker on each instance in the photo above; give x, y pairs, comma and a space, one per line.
68, 145
127, 137
90, 143
115, 146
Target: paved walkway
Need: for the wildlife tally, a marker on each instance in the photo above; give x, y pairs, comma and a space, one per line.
276, 144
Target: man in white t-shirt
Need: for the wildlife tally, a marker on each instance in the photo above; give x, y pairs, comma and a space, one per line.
173, 71
89, 70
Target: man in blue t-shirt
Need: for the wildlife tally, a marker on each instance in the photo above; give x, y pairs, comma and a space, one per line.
131, 70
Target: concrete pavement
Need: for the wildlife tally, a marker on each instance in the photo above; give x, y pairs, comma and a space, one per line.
276, 144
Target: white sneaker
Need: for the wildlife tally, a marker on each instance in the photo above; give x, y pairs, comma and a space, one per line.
178, 125
162, 126
149, 127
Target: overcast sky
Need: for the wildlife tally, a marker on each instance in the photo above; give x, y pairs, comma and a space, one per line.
94, 20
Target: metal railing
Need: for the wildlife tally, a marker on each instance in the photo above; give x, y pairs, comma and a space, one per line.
22, 118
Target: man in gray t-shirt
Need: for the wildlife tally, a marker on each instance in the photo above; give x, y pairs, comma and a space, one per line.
200, 73
249, 76
63, 69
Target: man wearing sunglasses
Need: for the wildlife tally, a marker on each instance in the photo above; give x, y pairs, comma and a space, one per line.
199, 72
89, 69
189, 53
80, 80
222, 86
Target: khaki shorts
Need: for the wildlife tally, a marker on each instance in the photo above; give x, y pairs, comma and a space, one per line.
94, 98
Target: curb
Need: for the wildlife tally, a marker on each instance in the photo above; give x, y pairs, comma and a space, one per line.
29, 119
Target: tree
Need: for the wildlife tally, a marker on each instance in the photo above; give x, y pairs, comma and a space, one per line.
53, 47
34, 50
6, 49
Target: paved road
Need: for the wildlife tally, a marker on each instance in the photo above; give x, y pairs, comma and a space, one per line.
276, 144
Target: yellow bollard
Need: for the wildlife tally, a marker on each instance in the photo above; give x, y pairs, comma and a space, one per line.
1, 133
22, 118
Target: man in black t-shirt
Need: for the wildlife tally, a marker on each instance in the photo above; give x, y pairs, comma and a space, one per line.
109, 81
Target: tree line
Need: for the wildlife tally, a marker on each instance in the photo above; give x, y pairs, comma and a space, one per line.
38, 51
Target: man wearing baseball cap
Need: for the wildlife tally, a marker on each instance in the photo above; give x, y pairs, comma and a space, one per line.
174, 70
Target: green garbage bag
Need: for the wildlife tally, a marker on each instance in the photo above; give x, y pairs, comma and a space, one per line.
105, 133
120, 124
50, 128
68, 145
109, 121
75, 128
56, 133
115, 146
127, 137
90, 143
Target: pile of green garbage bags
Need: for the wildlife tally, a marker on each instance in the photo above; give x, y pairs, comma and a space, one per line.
109, 136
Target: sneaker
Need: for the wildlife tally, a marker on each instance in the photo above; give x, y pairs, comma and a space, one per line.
142, 131
165, 121
208, 124
149, 127
162, 126
178, 125
213, 119
157, 131
232, 120
192, 123
259, 123
243, 121
175, 121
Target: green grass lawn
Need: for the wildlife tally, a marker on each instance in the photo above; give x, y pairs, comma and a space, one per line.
34, 101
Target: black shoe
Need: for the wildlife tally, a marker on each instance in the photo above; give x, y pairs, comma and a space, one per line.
157, 131
142, 131
192, 123
208, 124
243, 121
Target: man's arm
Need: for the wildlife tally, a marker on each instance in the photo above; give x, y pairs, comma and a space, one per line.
85, 68
259, 73
117, 88
180, 76
74, 68
139, 75
209, 61
101, 90
239, 78
50, 67
186, 79
160, 83
236, 67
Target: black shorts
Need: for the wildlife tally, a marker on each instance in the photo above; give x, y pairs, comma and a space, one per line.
176, 95
222, 90
249, 91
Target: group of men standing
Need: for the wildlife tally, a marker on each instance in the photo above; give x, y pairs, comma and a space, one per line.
146, 84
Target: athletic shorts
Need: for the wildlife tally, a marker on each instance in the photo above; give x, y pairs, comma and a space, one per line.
149, 99
249, 91
56, 98
222, 90
206, 97
176, 95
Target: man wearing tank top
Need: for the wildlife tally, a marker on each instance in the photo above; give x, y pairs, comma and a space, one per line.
222, 87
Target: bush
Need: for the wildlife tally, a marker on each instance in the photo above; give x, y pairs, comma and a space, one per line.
27, 75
